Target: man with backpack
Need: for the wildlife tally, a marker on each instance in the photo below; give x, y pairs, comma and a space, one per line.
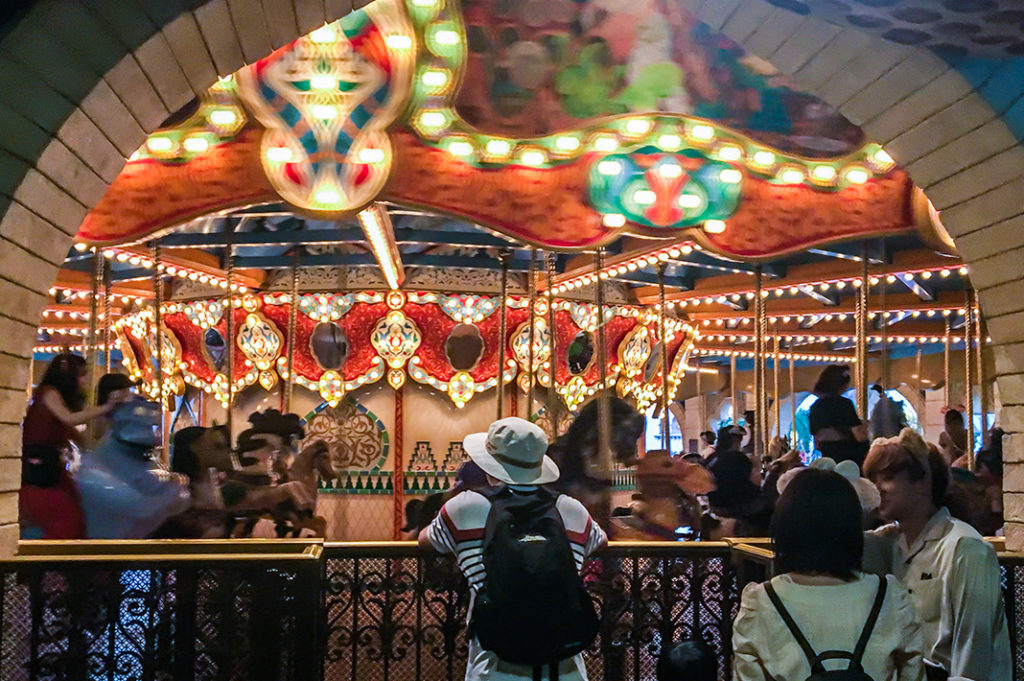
521, 547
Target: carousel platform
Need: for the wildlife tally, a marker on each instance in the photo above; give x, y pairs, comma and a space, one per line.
304, 610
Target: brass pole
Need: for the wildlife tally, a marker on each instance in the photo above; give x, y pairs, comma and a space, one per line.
604, 416
665, 433
293, 312
503, 258
969, 373
862, 333
732, 389
91, 344
979, 335
756, 433
701, 407
775, 381
917, 372
792, 400
107, 317
883, 289
531, 285
158, 301
230, 362
552, 347
947, 341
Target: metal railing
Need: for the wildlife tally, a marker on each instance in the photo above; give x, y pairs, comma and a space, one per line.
305, 611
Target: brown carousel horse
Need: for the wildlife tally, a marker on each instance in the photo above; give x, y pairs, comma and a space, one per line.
312, 461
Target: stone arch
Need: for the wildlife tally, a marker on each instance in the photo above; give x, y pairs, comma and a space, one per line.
82, 82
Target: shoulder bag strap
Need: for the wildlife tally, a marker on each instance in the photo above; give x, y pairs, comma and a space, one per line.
812, 658
869, 626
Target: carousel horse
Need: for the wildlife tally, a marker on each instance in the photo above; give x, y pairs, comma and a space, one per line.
311, 461
576, 451
125, 493
203, 455
666, 506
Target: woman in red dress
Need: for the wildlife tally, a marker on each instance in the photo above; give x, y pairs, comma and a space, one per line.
49, 497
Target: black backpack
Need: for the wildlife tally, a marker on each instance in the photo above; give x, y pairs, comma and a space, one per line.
854, 672
533, 608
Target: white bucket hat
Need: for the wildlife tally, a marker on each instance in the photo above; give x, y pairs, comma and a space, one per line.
512, 451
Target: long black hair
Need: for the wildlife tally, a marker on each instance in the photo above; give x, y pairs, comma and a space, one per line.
834, 379
62, 375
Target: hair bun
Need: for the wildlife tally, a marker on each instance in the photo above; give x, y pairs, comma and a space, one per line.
912, 441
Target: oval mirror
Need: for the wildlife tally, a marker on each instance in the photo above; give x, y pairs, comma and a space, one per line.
464, 347
329, 345
653, 363
215, 348
581, 352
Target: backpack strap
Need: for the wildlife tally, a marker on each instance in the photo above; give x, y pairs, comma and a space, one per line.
812, 657
869, 626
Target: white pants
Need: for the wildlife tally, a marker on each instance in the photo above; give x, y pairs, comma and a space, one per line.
483, 665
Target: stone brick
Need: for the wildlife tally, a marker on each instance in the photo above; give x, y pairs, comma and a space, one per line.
941, 128
1002, 299
46, 199
796, 52
1006, 328
126, 18
12, 172
9, 535
89, 143
21, 137
1011, 390
309, 15
23, 227
996, 205
918, 106
12, 405
773, 33
48, 60
69, 172
1014, 535
157, 61
186, 42
46, 107
21, 304
83, 31
10, 474
919, 68
280, 22
251, 27
218, 31
132, 87
13, 373
968, 150
832, 59
10, 439
27, 268
1013, 506
1013, 477
1008, 357
715, 13
1011, 419
977, 179
867, 67
336, 9
112, 117
747, 18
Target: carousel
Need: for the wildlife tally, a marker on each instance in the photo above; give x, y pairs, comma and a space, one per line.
421, 218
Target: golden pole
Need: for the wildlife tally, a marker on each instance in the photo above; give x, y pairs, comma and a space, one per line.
862, 337
91, 344
665, 436
775, 380
947, 341
158, 301
969, 373
982, 392
792, 400
531, 284
107, 320
604, 416
552, 347
293, 312
757, 432
230, 362
732, 389
503, 258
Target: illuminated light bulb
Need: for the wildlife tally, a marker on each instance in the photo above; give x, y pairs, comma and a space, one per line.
460, 148
323, 82
609, 167
689, 201
714, 226
824, 173
433, 119
883, 158
327, 197
840, 285
397, 41
857, 175
675, 252
670, 170
962, 271
644, 197
322, 35
764, 158
891, 279
856, 283
223, 117
944, 273
670, 141
196, 145
874, 281
731, 176
567, 143
160, 144
663, 256
791, 176
651, 260
323, 112
370, 155
533, 157
793, 290
687, 249
279, 154
632, 266
703, 133
135, 260
122, 257
824, 286
638, 126
614, 220
730, 152
434, 78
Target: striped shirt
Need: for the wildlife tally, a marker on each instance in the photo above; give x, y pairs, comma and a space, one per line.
459, 529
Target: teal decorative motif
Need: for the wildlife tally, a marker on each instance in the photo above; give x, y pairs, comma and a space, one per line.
664, 190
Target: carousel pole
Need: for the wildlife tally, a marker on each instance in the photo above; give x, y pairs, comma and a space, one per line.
398, 474
969, 373
552, 407
229, 257
979, 335
701, 407
886, 367
604, 416
775, 386
759, 374
792, 400
947, 342
107, 320
531, 285
158, 302
732, 388
288, 385
91, 345
917, 372
665, 434
861, 355
503, 258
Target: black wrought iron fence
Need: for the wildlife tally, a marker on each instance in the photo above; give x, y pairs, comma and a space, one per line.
262, 610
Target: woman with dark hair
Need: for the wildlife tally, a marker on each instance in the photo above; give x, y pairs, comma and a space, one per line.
950, 570
820, 599
49, 497
837, 430
953, 438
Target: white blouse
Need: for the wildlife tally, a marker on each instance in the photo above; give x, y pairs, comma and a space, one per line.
831, 617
